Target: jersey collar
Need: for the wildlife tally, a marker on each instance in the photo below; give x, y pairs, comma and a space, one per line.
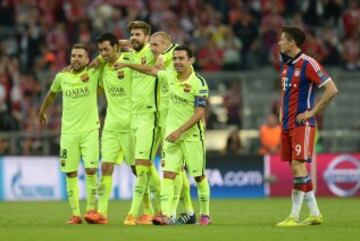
190, 77
297, 57
286, 59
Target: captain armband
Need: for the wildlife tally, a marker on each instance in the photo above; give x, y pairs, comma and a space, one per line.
200, 101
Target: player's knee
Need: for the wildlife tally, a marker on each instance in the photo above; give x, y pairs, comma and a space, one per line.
90, 171
71, 174
298, 168
170, 175
200, 178
107, 168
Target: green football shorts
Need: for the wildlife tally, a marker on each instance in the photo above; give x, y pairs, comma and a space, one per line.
74, 146
189, 153
117, 147
144, 128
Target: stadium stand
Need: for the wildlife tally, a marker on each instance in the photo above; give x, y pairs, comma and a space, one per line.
35, 36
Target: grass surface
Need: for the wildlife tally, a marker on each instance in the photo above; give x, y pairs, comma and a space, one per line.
242, 219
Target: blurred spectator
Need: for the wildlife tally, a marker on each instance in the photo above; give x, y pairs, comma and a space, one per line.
314, 47
233, 142
231, 47
247, 31
312, 12
331, 43
35, 37
210, 56
332, 11
211, 118
4, 146
351, 17
270, 27
232, 101
351, 50
7, 13
270, 135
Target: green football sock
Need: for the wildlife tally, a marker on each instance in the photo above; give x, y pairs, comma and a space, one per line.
154, 185
185, 195
167, 193
91, 189
178, 182
72, 189
142, 176
204, 196
148, 208
105, 188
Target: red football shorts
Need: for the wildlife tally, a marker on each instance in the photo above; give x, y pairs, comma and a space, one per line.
298, 144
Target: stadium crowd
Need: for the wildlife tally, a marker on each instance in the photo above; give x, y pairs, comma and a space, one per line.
36, 35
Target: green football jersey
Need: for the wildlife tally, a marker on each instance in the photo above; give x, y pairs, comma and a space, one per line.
163, 92
182, 97
117, 86
79, 100
144, 94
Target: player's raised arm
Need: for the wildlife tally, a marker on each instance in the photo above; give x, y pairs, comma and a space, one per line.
144, 69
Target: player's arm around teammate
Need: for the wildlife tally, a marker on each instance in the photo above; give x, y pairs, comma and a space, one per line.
79, 127
185, 137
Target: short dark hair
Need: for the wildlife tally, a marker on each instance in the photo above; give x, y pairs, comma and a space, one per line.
188, 51
140, 25
80, 46
108, 37
294, 33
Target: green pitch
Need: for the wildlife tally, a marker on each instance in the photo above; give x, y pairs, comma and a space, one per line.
243, 219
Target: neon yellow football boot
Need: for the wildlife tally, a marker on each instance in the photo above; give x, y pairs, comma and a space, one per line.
312, 220
289, 222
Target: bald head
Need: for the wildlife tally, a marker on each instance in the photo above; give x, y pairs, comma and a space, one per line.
159, 43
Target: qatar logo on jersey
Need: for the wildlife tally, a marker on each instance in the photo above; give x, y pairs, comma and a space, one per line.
343, 175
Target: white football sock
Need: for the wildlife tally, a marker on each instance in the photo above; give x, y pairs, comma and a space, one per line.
297, 198
312, 204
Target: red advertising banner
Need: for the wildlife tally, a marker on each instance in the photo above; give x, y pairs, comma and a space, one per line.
336, 175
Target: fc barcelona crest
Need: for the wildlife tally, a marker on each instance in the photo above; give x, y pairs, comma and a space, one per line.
143, 60
120, 74
84, 78
297, 72
187, 88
